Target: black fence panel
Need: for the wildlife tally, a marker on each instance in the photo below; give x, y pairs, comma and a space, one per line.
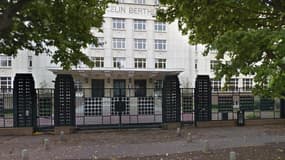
24, 101
203, 98
171, 109
64, 100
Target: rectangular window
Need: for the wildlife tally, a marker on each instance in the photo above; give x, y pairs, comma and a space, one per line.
98, 61
5, 61
119, 43
119, 62
30, 61
158, 84
140, 63
196, 64
159, 26
233, 84
100, 42
213, 64
6, 84
140, 88
159, 44
139, 25
156, 2
247, 84
139, 1
216, 85
119, 88
118, 23
160, 63
140, 44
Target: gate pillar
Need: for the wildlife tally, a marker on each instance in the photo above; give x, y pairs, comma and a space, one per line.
171, 110
64, 101
24, 101
203, 98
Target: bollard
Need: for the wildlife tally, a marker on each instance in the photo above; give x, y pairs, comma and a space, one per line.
61, 136
189, 137
46, 144
233, 155
178, 132
24, 155
244, 139
206, 146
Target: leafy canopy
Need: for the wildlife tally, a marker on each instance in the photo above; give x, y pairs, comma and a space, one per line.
250, 32
59, 28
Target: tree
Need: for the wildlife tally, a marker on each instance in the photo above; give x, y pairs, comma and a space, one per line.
59, 28
250, 32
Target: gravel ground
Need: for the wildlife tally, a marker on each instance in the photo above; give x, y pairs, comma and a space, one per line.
264, 143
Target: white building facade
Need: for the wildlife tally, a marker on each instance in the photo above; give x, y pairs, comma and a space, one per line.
134, 50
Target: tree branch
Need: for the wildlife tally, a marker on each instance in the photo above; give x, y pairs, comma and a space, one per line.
9, 13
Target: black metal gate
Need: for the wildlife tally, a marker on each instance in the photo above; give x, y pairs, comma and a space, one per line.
203, 98
282, 108
24, 101
45, 114
64, 99
171, 109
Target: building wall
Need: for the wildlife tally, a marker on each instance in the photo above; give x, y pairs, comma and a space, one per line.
179, 55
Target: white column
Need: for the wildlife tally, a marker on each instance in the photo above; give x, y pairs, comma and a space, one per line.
106, 106
133, 106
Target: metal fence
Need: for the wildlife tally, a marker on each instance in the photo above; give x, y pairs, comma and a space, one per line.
143, 107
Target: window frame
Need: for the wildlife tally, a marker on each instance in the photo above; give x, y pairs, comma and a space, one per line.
118, 24
160, 63
116, 42
139, 25
140, 42
140, 63
160, 45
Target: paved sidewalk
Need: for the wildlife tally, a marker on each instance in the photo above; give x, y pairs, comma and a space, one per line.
138, 143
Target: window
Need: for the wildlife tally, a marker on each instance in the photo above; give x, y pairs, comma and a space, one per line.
213, 64
100, 41
247, 84
233, 84
216, 85
140, 44
196, 64
118, 23
30, 61
5, 84
140, 63
158, 84
78, 86
139, 25
159, 44
119, 88
140, 88
159, 26
98, 61
119, 62
140, 1
5, 61
160, 63
119, 43
156, 2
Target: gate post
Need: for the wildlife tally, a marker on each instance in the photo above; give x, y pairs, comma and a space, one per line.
24, 101
171, 108
64, 103
203, 99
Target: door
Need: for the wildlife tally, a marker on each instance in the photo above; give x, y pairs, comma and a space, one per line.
119, 88
98, 87
140, 88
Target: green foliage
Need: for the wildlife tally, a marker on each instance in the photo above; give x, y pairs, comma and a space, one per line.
251, 33
59, 28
